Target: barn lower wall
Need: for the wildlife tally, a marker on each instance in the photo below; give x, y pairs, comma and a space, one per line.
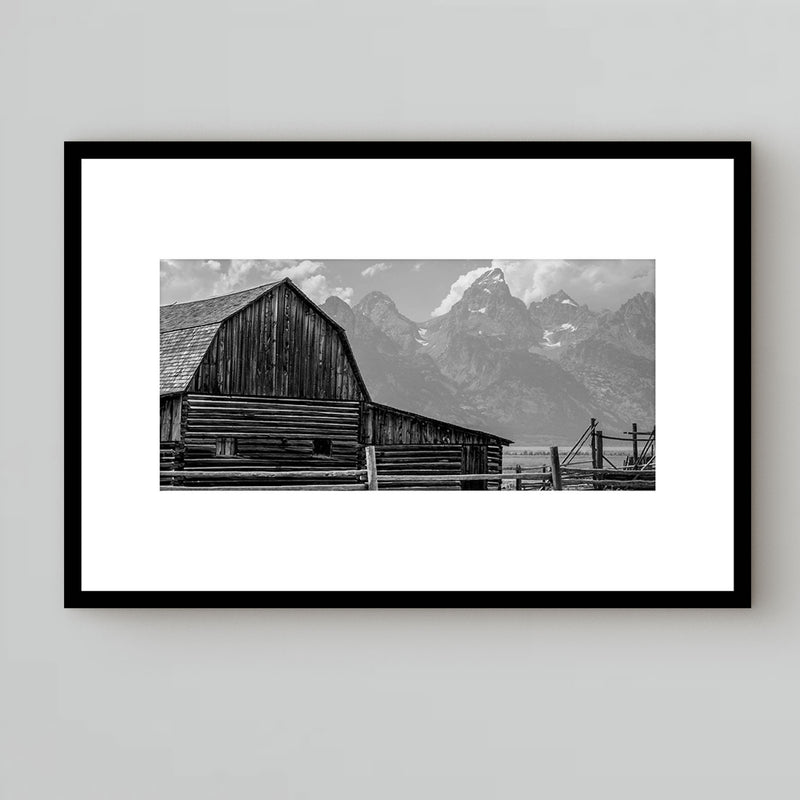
408, 443
261, 433
221, 434
412, 460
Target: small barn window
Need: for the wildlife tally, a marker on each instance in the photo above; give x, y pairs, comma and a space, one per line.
321, 447
226, 446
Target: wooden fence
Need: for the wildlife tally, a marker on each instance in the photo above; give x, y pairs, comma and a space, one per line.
558, 478
637, 472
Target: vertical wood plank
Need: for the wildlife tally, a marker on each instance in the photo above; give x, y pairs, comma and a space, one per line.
555, 468
372, 470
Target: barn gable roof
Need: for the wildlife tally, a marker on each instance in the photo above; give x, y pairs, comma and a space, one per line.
188, 328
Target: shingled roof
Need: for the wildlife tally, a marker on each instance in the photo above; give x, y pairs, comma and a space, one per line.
205, 312
187, 330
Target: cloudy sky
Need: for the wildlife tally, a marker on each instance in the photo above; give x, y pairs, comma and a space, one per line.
421, 289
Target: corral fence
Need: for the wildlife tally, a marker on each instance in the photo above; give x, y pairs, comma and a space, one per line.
577, 473
555, 478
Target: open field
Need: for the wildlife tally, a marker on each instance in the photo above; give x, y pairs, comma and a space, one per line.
534, 457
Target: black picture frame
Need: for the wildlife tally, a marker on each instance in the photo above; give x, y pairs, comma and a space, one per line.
76, 597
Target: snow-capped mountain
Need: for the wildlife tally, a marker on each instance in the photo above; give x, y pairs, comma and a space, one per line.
535, 374
562, 320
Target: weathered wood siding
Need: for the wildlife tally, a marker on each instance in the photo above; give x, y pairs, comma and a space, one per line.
430, 459
170, 417
494, 454
474, 460
385, 425
407, 443
267, 433
279, 346
170, 460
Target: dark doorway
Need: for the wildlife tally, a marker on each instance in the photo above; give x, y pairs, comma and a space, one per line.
474, 460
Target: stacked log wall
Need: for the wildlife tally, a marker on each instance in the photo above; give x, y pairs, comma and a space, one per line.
269, 434
413, 460
170, 460
408, 443
494, 462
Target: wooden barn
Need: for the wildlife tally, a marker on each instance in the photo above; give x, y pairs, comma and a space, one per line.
264, 380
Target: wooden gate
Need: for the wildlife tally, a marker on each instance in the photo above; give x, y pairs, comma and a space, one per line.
474, 460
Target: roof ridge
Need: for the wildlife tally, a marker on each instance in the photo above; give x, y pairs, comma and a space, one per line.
230, 294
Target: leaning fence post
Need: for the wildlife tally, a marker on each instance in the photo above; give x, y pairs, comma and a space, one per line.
518, 484
372, 470
555, 464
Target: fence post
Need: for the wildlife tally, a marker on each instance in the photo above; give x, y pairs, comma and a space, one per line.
600, 458
594, 446
555, 464
372, 470
518, 482
635, 431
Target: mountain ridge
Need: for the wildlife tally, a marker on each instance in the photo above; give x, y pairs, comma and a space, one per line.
534, 373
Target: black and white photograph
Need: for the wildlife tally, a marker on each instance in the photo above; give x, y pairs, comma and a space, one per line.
415, 374
478, 338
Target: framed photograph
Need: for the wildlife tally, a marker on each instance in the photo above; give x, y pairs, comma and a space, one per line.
407, 374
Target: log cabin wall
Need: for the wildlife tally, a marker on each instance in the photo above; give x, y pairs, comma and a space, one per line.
495, 462
407, 443
422, 459
170, 460
279, 346
243, 433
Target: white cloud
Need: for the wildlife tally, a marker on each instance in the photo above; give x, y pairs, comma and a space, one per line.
298, 271
598, 284
371, 272
196, 280
460, 285
246, 274
319, 290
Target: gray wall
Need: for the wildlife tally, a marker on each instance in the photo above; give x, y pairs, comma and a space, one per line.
390, 704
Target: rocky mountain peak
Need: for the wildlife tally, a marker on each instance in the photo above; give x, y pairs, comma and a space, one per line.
487, 312
381, 310
560, 316
374, 301
495, 275
339, 311
490, 288
635, 322
492, 281
561, 297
